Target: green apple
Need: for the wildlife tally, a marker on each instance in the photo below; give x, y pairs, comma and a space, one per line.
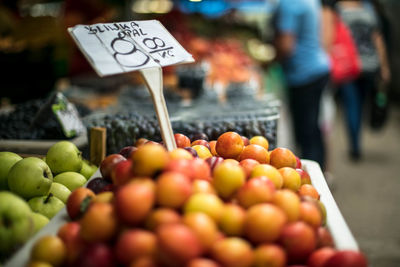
72, 180
16, 224
46, 205
88, 169
30, 177
7, 160
60, 191
64, 156
39, 221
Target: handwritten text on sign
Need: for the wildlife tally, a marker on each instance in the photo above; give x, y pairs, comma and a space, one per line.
119, 47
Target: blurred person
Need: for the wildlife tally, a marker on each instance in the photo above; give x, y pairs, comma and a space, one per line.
363, 23
306, 68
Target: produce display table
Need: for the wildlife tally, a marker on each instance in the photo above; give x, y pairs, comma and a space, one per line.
336, 224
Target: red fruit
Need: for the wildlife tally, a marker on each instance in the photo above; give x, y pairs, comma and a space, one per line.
181, 140
298, 162
299, 240
69, 234
202, 262
347, 258
96, 255
177, 244
172, 189
122, 172
214, 161
324, 238
246, 140
201, 142
161, 216
108, 164
256, 190
134, 201
134, 244
264, 223
127, 151
305, 177
201, 170
75, 200
248, 165
233, 252
229, 145
320, 256
180, 165
99, 223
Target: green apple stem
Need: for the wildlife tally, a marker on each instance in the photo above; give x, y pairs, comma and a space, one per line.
48, 198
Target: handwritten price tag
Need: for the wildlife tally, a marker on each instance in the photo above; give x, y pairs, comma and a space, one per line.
120, 47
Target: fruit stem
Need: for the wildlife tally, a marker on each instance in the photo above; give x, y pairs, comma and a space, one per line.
48, 198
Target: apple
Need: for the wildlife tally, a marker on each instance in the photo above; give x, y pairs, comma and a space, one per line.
30, 177
46, 205
87, 169
60, 191
16, 222
72, 180
39, 221
108, 164
64, 156
7, 160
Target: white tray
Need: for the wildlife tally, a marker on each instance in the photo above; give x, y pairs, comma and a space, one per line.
336, 224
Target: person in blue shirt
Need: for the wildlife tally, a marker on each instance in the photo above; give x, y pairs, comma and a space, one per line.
306, 67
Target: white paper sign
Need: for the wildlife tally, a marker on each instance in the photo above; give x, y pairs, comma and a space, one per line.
120, 47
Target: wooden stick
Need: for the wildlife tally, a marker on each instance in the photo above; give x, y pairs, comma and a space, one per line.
154, 82
97, 145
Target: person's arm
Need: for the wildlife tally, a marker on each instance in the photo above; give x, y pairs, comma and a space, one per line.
327, 28
286, 24
284, 44
381, 49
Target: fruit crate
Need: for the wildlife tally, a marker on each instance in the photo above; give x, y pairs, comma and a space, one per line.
123, 129
342, 236
37, 147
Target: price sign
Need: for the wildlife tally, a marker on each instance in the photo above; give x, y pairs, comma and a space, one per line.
68, 116
121, 47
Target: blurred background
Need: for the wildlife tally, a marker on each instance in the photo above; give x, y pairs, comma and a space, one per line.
235, 84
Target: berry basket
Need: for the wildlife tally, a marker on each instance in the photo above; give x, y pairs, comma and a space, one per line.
342, 236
